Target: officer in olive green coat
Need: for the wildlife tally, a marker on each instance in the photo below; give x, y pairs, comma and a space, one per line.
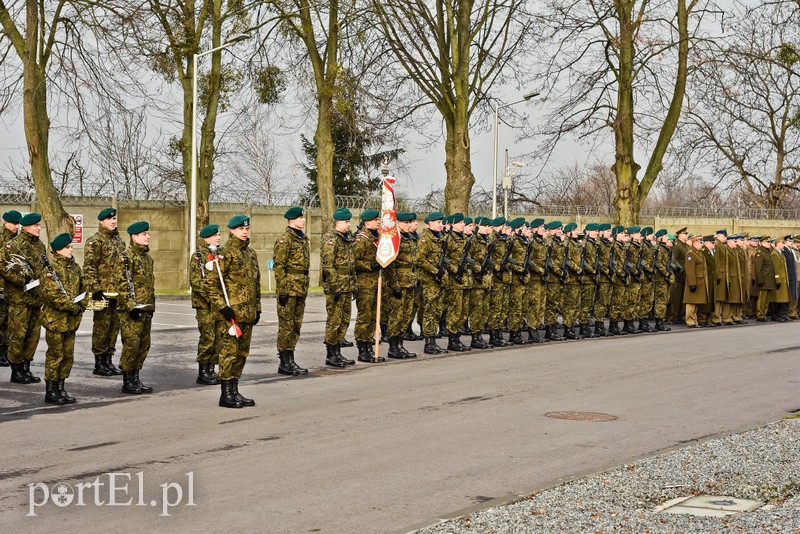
136, 304
338, 283
680, 247
696, 292
21, 262
64, 297
200, 279
401, 281
292, 257
780, 296
10, 230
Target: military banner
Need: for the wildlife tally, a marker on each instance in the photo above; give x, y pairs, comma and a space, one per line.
389, 238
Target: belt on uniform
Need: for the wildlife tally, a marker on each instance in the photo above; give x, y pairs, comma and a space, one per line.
297, 271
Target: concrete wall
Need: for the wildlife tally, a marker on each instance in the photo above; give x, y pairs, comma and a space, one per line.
170, 244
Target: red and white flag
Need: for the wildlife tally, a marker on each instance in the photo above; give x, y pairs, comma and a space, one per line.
389, 238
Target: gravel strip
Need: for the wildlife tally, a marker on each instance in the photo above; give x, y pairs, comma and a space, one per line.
761, 464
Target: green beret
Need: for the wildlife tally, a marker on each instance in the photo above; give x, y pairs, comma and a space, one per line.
292, 213
406, 217
499, 221
570, 227
138, 227
604, 227
552, 225
467, 220
12, 216
671, 237
456, 218
634, 229
342, 214
481, 221
619, 229
647, 230
370, 215
590, 227
516, 223
31, 218
243, 220
208, 231
536, 223
107, 214
661, 232
61, 241
435, 216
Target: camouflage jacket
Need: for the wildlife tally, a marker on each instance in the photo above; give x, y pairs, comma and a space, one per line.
478, 251
338, 263
663, 273
555, 271
102, 263
516, 261
59, 313
633, 252
620, 253
538, 255
136, 271
21, 263
5, 237
589, 255
200, 277
292, 256
455, 250
364, 251
574, 253
648, 253
239, 268
502, 272
604, 261
429, 251
400, 273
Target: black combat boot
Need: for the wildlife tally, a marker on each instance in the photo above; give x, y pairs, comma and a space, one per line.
442, 329
285, 366
346, 344
346, 361
600, 329
110, 365
297, 369
363, 352
18, 375
644, 325
100, 368
478, 342
4, 356
499, 340
51, 395
227, 398
516, 338
661, 326
410, 335
331, 358
454, 343
586, 331
66, 396
239, 397
384, 339
614, 329
570, 332
405, 352
211, 374
129, 385
629, 327
203, 377
145, 389
26, 366
394, 349
432, 348
533, 336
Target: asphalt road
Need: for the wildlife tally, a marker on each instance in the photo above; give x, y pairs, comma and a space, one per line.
375, 448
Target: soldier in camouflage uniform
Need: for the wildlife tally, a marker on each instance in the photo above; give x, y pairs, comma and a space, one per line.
292, 256
338, 283
62, 284
588, 278
200, 279
429, 253
10, 230
572, 290
537, 290
501, 282
459, 267
481, 283
516, 263
647, 292
663, 279
136, 305
634, 286
22, 261
102, 266
401, 282
604, 278
556, 279
619, 274
410, 335
367, 277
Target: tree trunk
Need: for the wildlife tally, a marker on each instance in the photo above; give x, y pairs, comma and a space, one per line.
458, 165
323, 140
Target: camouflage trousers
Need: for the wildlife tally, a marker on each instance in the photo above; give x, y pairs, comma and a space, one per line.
3, 322
661, 299
618, 302
632, 296
105, 327
402, 313
571, 303
516, 305
338, 320
432, 309
588, 292
602, 300
290, 319
59, 356
646, 299
536, 298
498, 305
366, 309
234, 350
207, 345
478, 309
552, 307
24, 329
457, 309
676, 311
135, 341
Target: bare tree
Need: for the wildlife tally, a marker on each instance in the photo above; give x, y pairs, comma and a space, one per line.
255, 158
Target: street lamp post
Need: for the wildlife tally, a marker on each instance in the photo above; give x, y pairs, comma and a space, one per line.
497, 109
233, 39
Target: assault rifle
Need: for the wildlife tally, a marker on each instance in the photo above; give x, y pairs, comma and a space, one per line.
462, 263
53, 273
640, 260
583, 260
564, 272
200, 263
626, 267
506, 257
655, 262
487, 263
547, 262
671, 265
612, 265
525, 267
443, 261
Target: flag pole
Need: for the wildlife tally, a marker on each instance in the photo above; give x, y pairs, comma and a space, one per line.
378, 318
388, 242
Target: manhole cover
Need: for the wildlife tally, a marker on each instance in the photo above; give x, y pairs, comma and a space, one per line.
594, 417
709, 506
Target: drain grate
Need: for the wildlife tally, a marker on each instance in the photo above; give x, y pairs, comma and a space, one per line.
594, 417
709, 506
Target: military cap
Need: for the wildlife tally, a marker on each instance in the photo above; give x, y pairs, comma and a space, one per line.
604, 227
694, 238
342, 214
406, 216
708, 238
778, 240
210, 230
661, 232
634, 229
138, 227
789, 237
12, 216
446, 219
764, 238
590, 227
242, 220
536, 223
681, 231
456, 218
370, 215
107, 214
755, 238
570, 227
467, 220
723, 232
292, 213
671, 237
516, 223
482, 221
498, 221
60, 241
619, 229
734, 237
31, 218
552, 225
647, 230
435, 216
